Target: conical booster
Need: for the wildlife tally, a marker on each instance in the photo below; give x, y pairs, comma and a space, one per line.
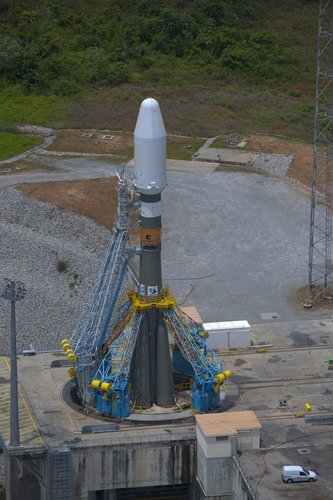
152, 373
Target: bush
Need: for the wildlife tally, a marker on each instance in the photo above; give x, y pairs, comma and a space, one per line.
62, 266
65, 87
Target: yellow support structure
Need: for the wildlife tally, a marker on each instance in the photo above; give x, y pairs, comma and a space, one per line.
166, 301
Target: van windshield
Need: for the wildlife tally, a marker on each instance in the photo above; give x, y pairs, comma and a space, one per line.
306, 471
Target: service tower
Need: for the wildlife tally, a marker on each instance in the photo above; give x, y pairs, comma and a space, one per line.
152, 372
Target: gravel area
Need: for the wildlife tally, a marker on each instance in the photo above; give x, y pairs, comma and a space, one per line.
34, 237
274, 163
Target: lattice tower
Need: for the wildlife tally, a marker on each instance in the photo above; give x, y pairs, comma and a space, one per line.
320, 272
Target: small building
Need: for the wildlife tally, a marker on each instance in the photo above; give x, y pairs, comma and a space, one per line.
228, 334
220, 436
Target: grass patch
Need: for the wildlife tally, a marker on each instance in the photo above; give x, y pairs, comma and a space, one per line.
202, 111
220, 142
14, 144
183, 148
18, 107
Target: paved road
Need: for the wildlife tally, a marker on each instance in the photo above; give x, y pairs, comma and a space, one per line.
235, 244
68, 169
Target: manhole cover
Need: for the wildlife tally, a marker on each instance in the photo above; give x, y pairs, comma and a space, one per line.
303, 451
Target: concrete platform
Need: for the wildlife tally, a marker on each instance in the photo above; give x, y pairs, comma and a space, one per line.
229, 156
56, 420
291, 369
294, 370
80, 465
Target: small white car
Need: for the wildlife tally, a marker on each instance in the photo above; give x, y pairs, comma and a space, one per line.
296, 473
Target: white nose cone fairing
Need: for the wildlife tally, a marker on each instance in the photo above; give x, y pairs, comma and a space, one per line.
150, 149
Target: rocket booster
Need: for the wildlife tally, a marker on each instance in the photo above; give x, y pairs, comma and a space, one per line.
152, 373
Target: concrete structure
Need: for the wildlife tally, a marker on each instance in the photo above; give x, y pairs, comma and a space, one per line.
58, 456
226, 156
220, 437
59, 460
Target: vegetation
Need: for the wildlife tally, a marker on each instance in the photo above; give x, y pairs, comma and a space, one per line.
64, 46
56, 55
14, 144
16, 106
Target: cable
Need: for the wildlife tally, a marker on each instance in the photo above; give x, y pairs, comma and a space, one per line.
186, 296
190, 279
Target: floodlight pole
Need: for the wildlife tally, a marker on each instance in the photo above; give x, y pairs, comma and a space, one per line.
13, 291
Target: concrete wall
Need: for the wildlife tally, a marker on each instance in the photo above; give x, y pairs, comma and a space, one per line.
214, 474
129, 466
213, 447
248, 439
25, 476
97, 472
219, 479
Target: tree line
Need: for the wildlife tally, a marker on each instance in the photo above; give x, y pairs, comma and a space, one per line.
65, 46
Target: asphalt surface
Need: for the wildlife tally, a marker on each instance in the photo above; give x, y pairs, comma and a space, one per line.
235, 244
294, 369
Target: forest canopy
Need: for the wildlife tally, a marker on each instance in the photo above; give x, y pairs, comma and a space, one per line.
63, 47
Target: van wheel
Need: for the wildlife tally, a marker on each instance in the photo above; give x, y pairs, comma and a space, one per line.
289, 480
311, 480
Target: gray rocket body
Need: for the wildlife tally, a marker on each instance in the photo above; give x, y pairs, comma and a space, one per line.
152, 378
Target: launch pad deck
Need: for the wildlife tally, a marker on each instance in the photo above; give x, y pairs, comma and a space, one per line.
292, 368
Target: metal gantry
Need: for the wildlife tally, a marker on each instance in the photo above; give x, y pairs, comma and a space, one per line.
92, 328
191, 340
111, 392
111, 382
320, 269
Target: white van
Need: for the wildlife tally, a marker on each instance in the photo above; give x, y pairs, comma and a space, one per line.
296, 473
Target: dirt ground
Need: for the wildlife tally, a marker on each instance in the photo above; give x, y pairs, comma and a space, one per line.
95, 198
92, 141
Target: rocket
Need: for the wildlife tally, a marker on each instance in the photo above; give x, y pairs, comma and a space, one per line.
152, 380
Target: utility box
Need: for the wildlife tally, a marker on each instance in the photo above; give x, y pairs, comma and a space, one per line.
228, 334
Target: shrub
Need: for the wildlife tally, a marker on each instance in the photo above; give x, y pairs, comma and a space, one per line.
65, 87
62, 266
